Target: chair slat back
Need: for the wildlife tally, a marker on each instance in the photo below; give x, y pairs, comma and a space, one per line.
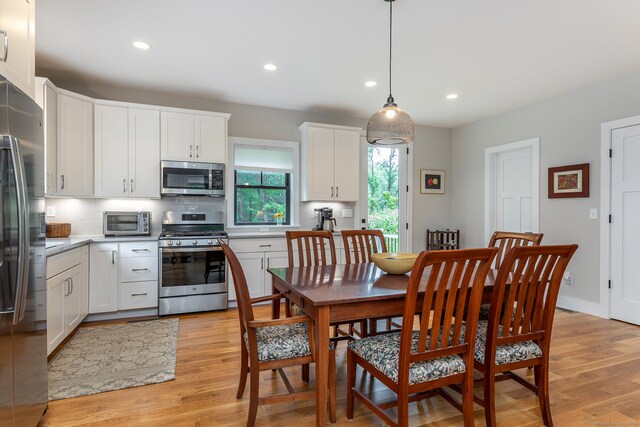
529, 281
506, 240
312, 247
452, 294
245, 309
363, 243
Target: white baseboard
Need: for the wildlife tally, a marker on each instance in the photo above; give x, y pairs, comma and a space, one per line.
575, 304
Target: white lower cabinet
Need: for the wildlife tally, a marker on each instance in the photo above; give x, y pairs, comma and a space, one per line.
124, 276
67, 294
253, 266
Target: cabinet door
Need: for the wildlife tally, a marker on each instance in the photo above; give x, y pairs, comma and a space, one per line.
75, 146
144, 153
56, 294
46, 99
319, 163
72, 300
176, 136
347, 165
103, 283
210, 139
111, 145
253, 266
17, 19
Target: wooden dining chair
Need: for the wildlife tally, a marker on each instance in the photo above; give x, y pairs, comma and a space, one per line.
358, 247
505, 241
272, 345
416, 364
528, 280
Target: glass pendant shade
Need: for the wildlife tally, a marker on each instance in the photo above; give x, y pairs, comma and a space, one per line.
390, 126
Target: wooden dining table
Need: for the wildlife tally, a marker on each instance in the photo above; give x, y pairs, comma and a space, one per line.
344, 293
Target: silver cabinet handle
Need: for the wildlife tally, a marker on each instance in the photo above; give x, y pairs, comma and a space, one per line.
197, 150
261, 263
6, 45
139, 295
124, 185
332, 191
140, 250
265, 246
71, 281
65, 286
113, 257
337, 191
139, 269
131, 186
268, 262
62, 179
190, 151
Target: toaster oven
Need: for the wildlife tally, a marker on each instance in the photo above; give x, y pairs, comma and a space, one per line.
126, 223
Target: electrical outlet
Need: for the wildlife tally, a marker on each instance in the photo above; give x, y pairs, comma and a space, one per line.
347, 213
51, 211
593, 213
568, 278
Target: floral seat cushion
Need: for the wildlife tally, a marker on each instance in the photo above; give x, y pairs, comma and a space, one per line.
383, 352
507, 353
282, 341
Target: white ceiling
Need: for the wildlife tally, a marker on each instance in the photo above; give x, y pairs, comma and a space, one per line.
497, 54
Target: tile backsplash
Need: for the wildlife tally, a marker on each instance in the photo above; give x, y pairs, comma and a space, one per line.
85, 215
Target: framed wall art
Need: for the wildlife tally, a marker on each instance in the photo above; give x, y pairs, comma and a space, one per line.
431, 181
569, 181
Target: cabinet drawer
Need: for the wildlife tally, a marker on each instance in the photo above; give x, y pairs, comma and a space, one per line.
139, 249
138, 295
258, 245
58, 263
138, 269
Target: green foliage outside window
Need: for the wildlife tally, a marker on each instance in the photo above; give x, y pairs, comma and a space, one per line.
259, 196
382, 166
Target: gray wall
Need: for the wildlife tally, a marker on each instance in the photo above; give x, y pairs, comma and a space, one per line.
432, 145
569, 129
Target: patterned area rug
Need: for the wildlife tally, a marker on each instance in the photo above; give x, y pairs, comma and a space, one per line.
105, 358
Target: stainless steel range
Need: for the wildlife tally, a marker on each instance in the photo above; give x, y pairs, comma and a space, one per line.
191, 263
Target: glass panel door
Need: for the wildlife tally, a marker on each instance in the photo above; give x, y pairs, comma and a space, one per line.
383, 179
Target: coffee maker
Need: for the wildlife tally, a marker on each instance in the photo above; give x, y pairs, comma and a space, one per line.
322, 215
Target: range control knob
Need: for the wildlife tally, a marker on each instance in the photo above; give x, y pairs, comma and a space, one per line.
195, 242
210, 242
170, 242
179, 243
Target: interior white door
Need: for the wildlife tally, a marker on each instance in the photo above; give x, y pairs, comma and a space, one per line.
514, 190
625, 224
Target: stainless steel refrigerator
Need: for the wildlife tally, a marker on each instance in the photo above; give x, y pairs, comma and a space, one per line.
23, 314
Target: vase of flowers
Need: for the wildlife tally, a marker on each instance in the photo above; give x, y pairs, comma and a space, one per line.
279, 216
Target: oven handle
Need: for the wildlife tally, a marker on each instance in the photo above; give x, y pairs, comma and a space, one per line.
195, 249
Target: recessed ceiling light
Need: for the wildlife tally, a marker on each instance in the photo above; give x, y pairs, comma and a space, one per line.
370, 83
452, 96
141, 45
270, 67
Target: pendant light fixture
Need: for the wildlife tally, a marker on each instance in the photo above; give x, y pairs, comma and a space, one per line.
391, 125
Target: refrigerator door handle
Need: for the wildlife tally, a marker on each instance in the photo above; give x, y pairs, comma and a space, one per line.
23, 228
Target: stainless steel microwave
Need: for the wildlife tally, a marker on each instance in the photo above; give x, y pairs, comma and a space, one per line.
192, 179
126, 223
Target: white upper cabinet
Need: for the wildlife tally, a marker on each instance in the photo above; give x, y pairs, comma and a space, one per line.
46, 98
127, 151
330, 162
193, 137
74, 144
17, 43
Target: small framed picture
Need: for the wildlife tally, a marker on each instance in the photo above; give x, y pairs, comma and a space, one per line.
569, 181
431, 181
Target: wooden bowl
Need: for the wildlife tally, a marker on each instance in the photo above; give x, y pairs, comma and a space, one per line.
394, 262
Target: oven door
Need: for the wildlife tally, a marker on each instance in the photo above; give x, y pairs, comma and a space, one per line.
191, 271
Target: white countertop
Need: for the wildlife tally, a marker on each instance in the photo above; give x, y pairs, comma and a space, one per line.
56, 246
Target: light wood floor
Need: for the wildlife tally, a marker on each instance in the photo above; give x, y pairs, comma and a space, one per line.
595, 380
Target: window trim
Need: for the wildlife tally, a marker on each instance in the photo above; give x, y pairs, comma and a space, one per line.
294, 199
